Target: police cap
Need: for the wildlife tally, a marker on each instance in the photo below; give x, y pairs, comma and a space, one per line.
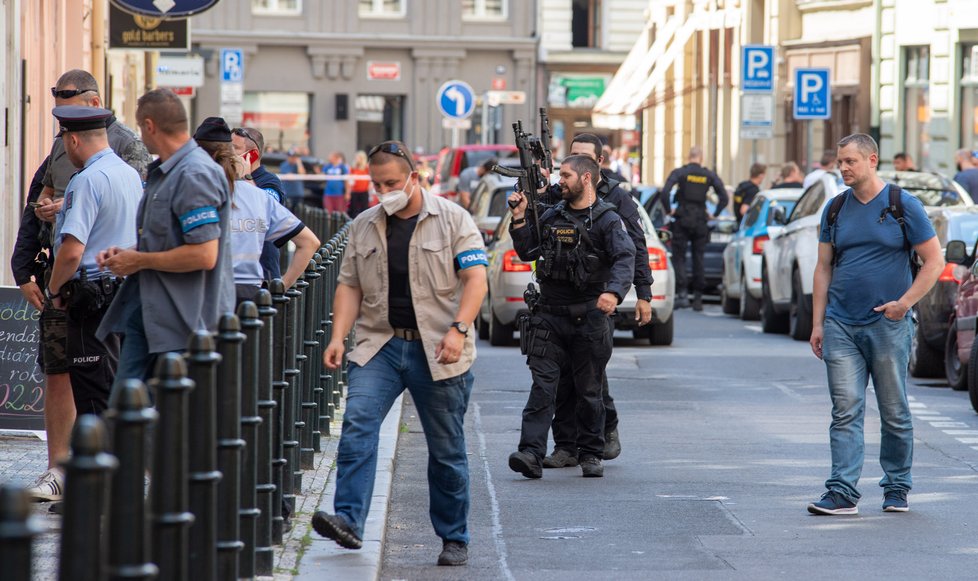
213, 129
78, 118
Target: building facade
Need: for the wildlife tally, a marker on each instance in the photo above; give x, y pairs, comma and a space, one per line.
343, 76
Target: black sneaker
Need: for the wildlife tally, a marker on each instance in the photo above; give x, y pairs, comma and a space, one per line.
591, 467
526, 464
682, 301
833, 503
895, 501
453, 554
334, 527
560, 459
612, 445
697, 302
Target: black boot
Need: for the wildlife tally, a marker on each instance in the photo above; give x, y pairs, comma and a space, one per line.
698, 301
682, 300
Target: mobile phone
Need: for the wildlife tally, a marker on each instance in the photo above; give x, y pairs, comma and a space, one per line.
35, 204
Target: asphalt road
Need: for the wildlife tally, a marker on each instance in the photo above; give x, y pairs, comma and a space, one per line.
725, 441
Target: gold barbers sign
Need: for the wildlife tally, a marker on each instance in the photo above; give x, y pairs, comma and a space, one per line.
131, 31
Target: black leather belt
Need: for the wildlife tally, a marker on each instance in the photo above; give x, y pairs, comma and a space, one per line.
407, 334
575, 310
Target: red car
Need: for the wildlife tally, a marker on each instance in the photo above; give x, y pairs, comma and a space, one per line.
452, 160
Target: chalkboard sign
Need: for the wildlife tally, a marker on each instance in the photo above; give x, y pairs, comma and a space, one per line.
21, 380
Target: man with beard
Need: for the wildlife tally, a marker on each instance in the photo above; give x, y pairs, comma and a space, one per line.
585, 265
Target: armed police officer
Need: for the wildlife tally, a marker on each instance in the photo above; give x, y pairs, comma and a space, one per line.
585, 264
691, 222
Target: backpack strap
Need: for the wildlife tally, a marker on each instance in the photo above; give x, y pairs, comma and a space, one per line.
833, 216
896, 210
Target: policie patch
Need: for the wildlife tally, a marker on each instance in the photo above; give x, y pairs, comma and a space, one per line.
566, 234
470, 258
198, 217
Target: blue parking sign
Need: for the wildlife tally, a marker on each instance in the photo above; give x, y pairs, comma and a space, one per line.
232, 65
758, 68
813, 95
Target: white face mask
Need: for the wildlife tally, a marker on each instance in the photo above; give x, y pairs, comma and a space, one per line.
395, 201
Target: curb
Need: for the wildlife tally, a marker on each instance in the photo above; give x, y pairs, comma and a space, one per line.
322, 557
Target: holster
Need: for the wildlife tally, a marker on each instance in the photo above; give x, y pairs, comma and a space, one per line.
89, 296
534, 340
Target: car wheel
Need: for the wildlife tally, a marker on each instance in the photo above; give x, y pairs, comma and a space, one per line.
730, 305
925, 361
483, 328
750, 308
954, 369
661, 333
973, 375
499, 334
800, 315
771, 320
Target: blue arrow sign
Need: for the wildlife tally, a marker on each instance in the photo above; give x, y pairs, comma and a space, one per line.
456, 100
165, 8
813, 95
758, 68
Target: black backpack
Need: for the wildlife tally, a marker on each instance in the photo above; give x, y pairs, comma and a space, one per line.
895, 208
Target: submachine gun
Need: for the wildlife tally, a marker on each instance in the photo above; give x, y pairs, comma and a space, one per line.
534, 155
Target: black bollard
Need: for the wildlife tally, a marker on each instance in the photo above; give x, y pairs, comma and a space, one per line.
86, 485
264, 486
310, 373
297, 386
229, 445
279, 385
324, 392
290, 444
316, 356
17, 532
168, 489
202, 362
130, 420
248, 511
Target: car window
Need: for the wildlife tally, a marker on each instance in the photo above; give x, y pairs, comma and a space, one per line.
656, 211
480, 156
755, 211
810, 202
444, 166
480, 199
497, 205
963, 227
932, 189
788, 206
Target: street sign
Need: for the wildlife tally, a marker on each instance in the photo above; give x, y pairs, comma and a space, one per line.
757, 116
758, 68
232, 65
180, 71
136, 32
456, 100
456, 123
497, 98
165, 8
813, 95
383, 71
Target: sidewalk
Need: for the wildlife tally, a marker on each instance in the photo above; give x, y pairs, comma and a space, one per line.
303, 554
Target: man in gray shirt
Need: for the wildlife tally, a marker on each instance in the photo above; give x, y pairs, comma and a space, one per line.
179, 276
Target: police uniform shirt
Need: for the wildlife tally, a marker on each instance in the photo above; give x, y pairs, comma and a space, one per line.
123, 141
257, 218
100, 207
187, 201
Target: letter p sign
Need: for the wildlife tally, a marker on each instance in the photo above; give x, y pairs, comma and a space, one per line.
758, 68
812, 96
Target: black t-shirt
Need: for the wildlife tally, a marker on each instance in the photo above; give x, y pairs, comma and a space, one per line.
744, 194
401, 311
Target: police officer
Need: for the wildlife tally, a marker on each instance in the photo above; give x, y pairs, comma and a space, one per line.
99, 211
690, 225
585, 264
609, 191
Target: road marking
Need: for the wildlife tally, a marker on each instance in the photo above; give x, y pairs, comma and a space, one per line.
938, 419
961, 432
968, 440
755, 328
916, 405
497, 527
919, 412
949, 424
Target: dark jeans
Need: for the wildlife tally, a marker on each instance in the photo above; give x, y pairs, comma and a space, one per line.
683, 233
578, 352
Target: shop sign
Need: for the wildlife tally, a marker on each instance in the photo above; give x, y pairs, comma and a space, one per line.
576, 91
133, 31
383, 71
180, 72
165, 8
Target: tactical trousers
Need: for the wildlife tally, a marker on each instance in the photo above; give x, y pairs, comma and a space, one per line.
576, 349
683, 233
91, 363
565, 420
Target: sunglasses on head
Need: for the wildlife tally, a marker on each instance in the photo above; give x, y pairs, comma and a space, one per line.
68, 93
241, 132
393, 149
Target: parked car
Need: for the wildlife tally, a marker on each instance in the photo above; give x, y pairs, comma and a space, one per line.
488, 203
509, 277
741, 291
452, 160
961, 344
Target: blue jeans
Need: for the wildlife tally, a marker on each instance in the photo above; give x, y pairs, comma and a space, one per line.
853, 354
135, 360
441, 408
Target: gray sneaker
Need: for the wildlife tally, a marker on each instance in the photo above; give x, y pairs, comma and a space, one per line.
591, 467
453, 554
49, 487
560, 459
612, 445
526, 464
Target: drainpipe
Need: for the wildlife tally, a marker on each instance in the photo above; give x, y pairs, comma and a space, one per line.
874, 71
98, 48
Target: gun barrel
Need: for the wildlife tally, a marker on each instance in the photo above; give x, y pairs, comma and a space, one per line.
508, 171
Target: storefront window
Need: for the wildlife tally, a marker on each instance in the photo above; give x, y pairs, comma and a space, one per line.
916, 104
276, 7
483, 9
969, 96
382, 8
283, 119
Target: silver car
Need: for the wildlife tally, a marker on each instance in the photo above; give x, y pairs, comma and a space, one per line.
509, 277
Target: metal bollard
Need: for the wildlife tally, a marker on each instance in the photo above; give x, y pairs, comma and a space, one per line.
264, 486
297, 387
128, 540
86, 485
248, 510
316, 356
310, 374
17, 532
168, 489
229, 445
202, 362
324, 389
290, 443
279, 385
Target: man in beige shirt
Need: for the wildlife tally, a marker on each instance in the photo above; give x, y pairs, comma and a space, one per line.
413, 279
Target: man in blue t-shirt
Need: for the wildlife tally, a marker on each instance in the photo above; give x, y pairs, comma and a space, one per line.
334, 192
862, 295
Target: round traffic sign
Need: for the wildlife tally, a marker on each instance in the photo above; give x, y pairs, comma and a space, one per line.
456, 99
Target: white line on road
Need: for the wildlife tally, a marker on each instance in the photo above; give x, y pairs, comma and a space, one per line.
755, 328
968, 440
961, 432
497, 526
